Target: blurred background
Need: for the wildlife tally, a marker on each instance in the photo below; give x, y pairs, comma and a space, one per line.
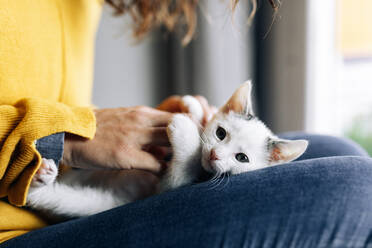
310, 62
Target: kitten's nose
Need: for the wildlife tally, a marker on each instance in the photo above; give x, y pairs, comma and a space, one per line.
213, 155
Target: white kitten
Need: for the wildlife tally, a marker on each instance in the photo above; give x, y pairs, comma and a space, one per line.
234, 141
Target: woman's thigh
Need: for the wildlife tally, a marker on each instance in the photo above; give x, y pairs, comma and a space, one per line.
326, 146
324, 202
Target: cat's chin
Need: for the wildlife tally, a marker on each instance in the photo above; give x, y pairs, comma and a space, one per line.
207, 166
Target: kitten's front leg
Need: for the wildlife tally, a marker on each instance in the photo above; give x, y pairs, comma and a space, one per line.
185, 165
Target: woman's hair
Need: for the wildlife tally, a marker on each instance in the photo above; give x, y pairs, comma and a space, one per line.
149, 14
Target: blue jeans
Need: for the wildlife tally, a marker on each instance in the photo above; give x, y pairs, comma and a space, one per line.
323, 200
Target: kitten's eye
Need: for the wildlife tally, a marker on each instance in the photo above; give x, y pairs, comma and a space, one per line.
241, 157
221, 133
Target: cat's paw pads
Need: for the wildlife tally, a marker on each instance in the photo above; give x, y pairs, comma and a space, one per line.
46, 174
194, 107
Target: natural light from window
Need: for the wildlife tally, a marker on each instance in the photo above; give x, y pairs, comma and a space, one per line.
339, 99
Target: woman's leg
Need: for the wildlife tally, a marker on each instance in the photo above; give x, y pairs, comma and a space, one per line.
324, 202
326, 146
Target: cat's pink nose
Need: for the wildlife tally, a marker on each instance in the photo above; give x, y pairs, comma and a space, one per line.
213, 155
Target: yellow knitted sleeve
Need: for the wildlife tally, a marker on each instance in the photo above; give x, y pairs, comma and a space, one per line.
23, 123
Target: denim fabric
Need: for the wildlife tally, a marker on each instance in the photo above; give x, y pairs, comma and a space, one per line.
317, 202
51, 147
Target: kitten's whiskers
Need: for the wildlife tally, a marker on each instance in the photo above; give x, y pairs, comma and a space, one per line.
213, 181
228, 174
218, 179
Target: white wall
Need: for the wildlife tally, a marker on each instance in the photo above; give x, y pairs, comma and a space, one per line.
123, 70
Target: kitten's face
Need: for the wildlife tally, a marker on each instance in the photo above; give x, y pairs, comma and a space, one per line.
234, 144
234, 141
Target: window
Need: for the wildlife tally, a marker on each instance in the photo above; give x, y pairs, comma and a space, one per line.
339, 99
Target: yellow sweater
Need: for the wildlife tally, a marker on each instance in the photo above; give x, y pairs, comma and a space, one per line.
46, 61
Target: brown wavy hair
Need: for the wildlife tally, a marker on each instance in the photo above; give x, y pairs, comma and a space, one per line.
150, 14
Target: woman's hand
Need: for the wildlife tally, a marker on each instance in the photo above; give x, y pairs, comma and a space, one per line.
174, 104
122, 140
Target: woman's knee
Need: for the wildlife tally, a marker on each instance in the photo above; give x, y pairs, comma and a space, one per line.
314, 184
334, 180
343, 170
340, 171
319, 200
326, 146
342, 192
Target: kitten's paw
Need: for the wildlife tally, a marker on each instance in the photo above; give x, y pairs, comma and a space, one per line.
46, 174
179, 128
183, 134
194, 107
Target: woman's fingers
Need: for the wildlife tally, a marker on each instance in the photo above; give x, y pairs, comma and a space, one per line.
160, 118
156, 136
162, 153
138, 159
120, 136
155, 117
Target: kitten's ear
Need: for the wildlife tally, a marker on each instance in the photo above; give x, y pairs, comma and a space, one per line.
240, 102
283, 151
